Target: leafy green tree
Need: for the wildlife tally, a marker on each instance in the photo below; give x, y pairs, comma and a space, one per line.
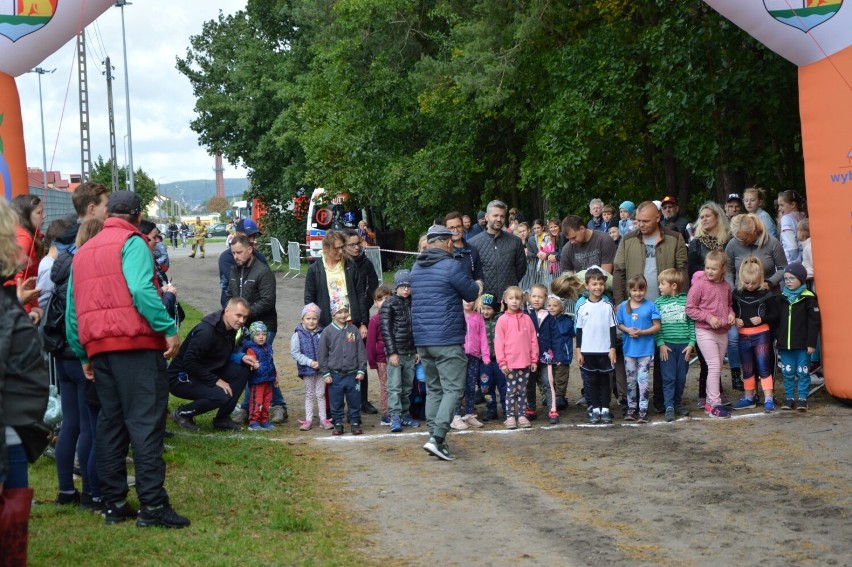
145, 187
218, 205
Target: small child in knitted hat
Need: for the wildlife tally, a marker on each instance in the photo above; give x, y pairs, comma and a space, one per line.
304, 348
262, 378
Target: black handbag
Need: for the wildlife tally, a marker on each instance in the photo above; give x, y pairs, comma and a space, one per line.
34, 438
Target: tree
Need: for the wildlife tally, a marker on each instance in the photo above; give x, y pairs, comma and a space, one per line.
218, 205
146, 188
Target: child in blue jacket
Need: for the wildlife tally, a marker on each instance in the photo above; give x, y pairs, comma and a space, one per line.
546, 332
563, 349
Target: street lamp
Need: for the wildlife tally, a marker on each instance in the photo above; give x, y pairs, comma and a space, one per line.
41, 72
131, 182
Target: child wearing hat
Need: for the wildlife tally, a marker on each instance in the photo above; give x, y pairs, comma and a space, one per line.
304, 348
398, 335
492, 380
261, 379
626, 211
796, 328
343, 363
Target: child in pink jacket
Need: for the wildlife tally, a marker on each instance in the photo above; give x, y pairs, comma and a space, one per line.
516, 347
709, 304
477, 351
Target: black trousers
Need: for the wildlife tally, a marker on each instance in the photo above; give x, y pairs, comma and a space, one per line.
133, 392
208, 397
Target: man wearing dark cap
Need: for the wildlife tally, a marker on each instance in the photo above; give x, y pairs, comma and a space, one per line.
226, 258
672, 220
733, 205
438, 285
481, 223
118, 328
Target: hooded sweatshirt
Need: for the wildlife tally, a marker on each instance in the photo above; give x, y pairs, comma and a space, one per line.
515, 341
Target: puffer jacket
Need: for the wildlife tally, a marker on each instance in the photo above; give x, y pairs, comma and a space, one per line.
438, 284
503, 260
395, 323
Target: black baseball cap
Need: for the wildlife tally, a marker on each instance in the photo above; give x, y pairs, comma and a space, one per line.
124, 203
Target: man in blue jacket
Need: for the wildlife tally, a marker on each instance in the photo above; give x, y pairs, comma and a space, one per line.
438, 285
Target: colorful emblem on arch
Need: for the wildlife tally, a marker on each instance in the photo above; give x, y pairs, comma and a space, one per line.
23, 17
804, 15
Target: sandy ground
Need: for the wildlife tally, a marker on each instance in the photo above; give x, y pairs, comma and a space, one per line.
757, 488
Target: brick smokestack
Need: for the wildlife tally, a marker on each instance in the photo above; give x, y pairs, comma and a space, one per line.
220, 177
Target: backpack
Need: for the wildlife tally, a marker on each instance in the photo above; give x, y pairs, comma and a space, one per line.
52, 327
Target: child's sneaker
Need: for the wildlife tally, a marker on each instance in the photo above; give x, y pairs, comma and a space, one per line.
326, 424
304, 425
701, 403
595, 416
458, 423
682, 411
408, 422
561, 404
510, 423
338, 429
802, 405
266, 425
471, 421
744, 403
385, 420
670, 413
524, 423
356, 429
530, 414
554, 417
255, 426
769, 406
643, 416
395, 426
606, 417
718, 411
631, 415
789, 404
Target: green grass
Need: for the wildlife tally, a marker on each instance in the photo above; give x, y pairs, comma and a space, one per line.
251, 499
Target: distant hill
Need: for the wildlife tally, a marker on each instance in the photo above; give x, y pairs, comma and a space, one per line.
198, 191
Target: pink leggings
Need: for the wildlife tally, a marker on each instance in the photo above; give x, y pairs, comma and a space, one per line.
713, 346
314, 393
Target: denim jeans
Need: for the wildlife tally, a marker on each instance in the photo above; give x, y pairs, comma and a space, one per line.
400, 382
76, 433
674, 375
795, 364
344, 387
733, 347
17, 475
493, 379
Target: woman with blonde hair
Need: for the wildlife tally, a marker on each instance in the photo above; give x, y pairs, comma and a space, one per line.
752, 238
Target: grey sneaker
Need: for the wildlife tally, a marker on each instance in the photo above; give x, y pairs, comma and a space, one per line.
278, 414
670, 413
440, 450
240, 416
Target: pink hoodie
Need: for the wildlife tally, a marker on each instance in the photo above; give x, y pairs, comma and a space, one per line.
707, 299
476, 341
515, 341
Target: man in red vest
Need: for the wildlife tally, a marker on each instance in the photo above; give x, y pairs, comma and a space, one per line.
122, 334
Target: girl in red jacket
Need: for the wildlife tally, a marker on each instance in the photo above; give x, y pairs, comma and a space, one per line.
709, 304
516, 347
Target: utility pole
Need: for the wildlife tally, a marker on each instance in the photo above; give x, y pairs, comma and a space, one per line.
112, 149
131, 175
85, 148
41, 72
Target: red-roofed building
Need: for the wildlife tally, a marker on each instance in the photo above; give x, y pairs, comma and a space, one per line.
54, 180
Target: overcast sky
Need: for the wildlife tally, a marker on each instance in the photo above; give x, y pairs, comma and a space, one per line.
161, 99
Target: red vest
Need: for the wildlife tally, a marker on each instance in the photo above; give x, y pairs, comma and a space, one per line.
107, 320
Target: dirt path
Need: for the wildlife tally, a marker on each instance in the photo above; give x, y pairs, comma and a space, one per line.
753, 489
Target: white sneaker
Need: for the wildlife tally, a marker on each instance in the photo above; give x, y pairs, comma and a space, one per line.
524, 423
458, 423
471, 421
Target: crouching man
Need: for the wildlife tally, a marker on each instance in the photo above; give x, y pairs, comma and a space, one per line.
207, 371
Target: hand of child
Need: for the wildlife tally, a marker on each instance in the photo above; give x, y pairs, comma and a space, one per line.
533, 367
731, 318
579, 358
715, 323
359, 376
739, 322
687, 353
633, 332
504, 370
756, 321
393, 360
612, 356
664, 353
328, 379
314, 364
811, 350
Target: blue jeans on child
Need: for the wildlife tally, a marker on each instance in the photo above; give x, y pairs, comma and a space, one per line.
493, 379
344, 387
674, 375
795, 364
